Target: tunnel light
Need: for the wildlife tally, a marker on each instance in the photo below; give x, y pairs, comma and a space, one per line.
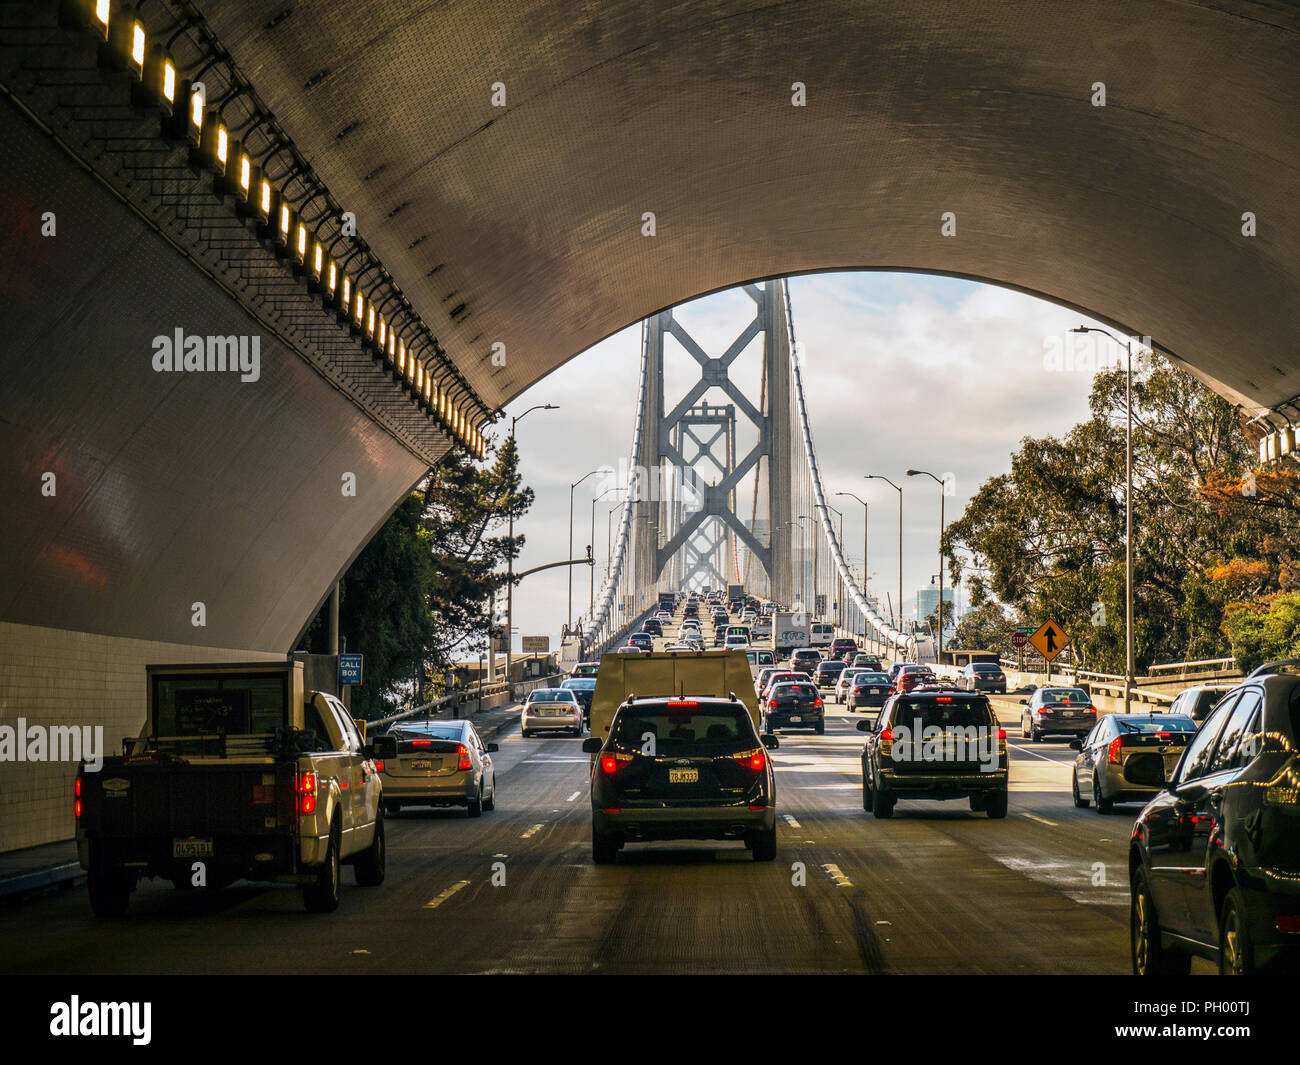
245, 173
300, 243
332, 282
1286, 440
392, 345
136, 63
85, 15
343, 298
370, 321
167, 81
383, 334
265, 200
358, 311
401, 354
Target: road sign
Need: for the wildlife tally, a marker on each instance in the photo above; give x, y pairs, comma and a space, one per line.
535, 645
1019, 639
350, 669
1026, 630
1050, 640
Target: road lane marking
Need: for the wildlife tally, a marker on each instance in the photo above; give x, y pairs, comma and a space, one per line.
1044, 757
573, 796
789, 820
443, 896
833, 871
554, 760
532, 832
1041, 820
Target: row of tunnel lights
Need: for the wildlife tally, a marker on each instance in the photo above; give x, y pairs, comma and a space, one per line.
186, 116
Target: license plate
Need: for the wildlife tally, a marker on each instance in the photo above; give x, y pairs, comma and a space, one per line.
683, 776
191, 848
421, 763
795, 718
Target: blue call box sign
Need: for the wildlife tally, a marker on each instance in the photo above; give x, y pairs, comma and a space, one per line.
350, 669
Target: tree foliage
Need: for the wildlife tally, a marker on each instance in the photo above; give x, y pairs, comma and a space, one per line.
1209, 531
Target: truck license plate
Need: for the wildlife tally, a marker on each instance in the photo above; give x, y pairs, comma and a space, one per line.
191, 848
683, 776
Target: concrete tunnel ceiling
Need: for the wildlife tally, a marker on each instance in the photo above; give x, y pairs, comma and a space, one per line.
523, 225
528, 218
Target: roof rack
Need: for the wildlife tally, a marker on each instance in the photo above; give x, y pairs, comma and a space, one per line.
1273, 667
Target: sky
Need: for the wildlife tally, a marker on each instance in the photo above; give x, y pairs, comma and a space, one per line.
900, 370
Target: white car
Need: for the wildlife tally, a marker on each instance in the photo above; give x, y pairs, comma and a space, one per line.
845, 682
550, 709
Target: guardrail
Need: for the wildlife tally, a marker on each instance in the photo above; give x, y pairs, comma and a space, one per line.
1215, 664
460, 695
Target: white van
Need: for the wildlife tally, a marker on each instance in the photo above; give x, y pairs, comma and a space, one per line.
821, 634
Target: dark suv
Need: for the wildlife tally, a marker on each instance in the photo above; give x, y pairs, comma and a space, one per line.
935, 745
828, 672
1214, 863
688, 768
796, 704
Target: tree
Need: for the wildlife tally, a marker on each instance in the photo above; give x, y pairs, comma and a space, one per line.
1209, 530
988, 627
420, 592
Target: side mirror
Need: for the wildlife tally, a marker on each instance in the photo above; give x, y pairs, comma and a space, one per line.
592, 745
770, 741
1146, 769
381, 748
360, 722
492, 748
864, 726
1024, 702
1076, 744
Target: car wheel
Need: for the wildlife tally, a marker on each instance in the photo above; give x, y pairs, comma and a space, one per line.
369, 866
866, 792
765, 845
475, 805
996, 805
977, 803
821, 728
322, 896
490, 803
1035, 735
882, 805
1236, 952
525, 733
1024, 729
1103, 804
392, 807
604, 848
1079, 801
1149, 955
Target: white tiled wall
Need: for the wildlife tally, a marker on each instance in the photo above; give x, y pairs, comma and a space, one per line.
56, 677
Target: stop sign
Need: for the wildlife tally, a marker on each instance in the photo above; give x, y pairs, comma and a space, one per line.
1018, 640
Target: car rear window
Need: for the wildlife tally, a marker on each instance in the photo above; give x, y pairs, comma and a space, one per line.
947, 712
581, 684
448, 733
1157, 723
801, 691
681, 730
986, 667
871, 678
1063, 695
551, 695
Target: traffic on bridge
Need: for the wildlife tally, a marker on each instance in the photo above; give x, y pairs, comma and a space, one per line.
313, 661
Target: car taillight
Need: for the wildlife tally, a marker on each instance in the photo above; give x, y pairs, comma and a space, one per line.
1112, 752
887, 735
1002, 734
421, 743
306, 787
943, 698
678, 704
379, 765
76, 805
464, 763
1090, 710
818, 704
754, 760
771, 704
1287, 923
612, 763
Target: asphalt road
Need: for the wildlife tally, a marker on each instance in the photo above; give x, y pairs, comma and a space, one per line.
936, 889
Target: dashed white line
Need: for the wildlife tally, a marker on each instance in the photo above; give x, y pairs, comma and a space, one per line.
789, 820
443, 896
532, 832
573, 796
1041, 820
1044, 757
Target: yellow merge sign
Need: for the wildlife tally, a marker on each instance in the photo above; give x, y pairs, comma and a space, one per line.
1050, 640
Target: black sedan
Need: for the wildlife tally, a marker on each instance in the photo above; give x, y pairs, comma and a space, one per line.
794, 705
983, 677
1215, 856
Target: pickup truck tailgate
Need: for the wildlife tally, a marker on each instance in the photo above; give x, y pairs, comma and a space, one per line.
172, 799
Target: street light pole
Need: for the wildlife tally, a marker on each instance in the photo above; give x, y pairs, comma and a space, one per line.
591, 594
568, 625
896, 488
938, 653
510, 560
1128, 510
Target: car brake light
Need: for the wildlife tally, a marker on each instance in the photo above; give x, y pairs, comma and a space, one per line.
464, 762
818, 703
76, 788
943, 698
421, 743
1163, 736
1002, 734
1287, 923
1112, 752
887, 735
772, 703
379, 766
754, 760
1090, 710
306, 786
611, 763
678, 704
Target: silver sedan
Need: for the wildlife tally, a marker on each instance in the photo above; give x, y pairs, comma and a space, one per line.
550, 709
439, 763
